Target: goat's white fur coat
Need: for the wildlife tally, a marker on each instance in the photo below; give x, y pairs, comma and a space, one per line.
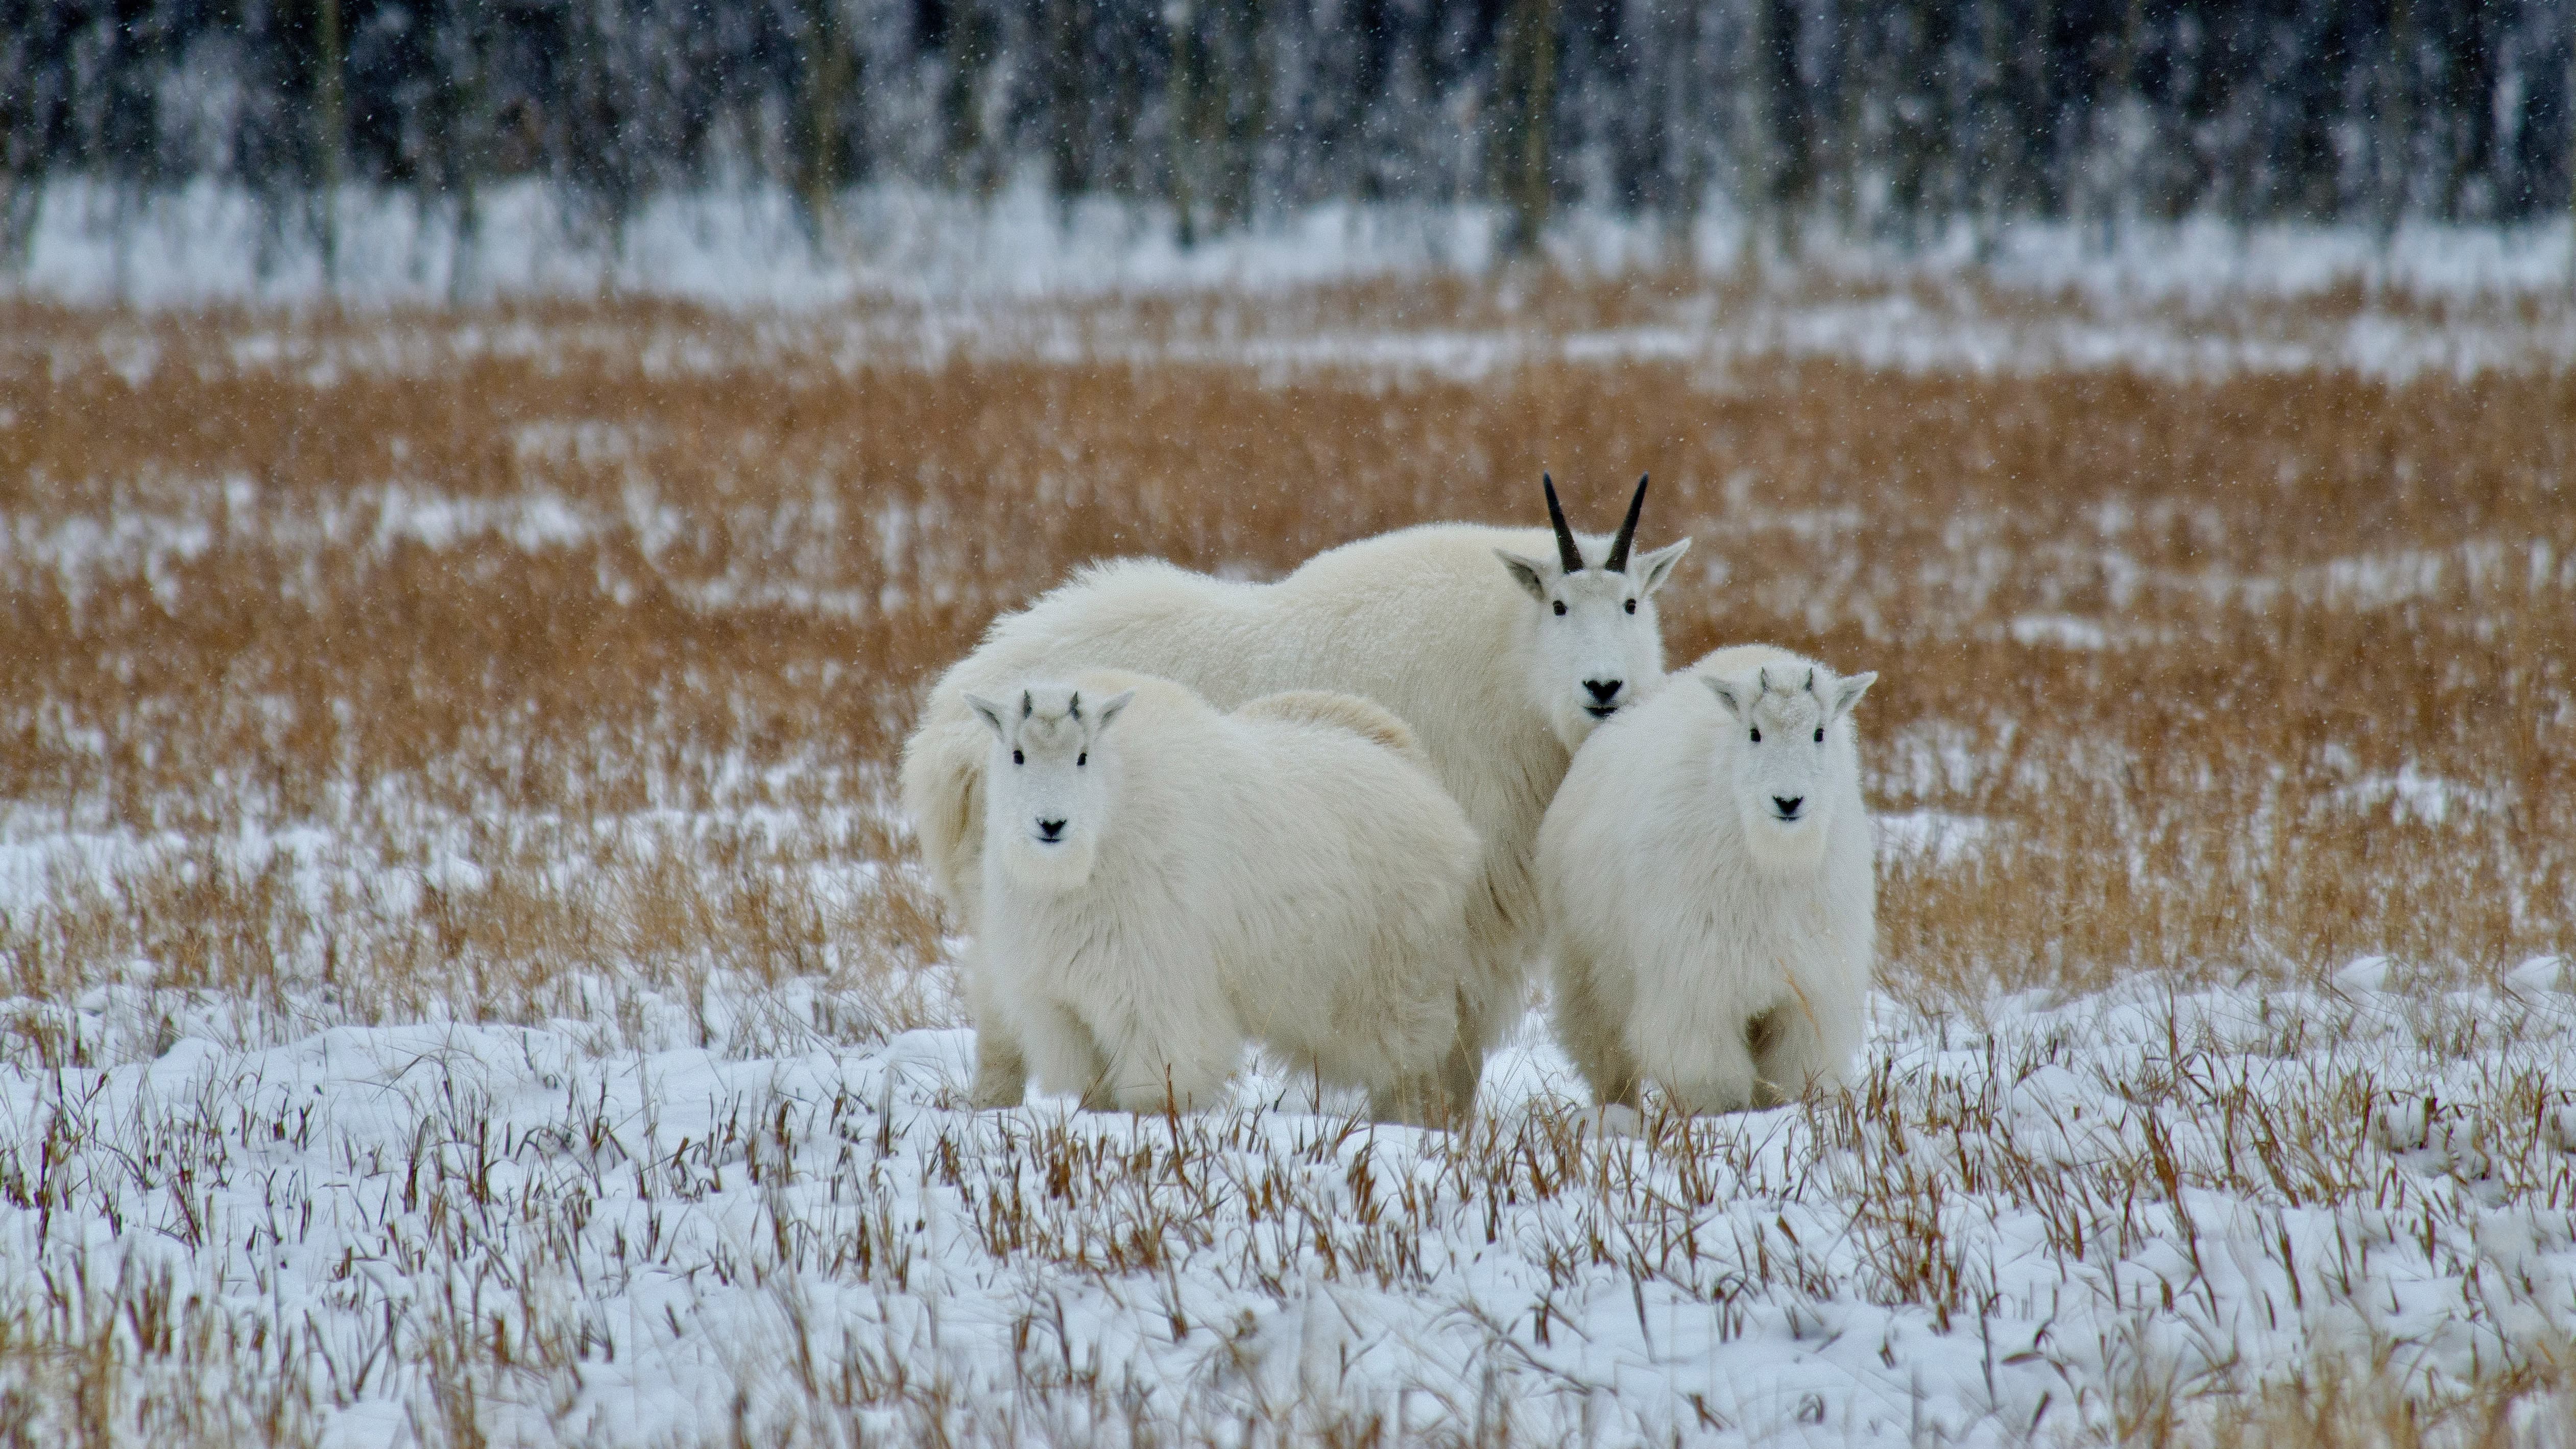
1698, 939
1424, 621
1289, 873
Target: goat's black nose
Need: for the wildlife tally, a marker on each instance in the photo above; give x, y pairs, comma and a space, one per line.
1603, 690
1050, 829
1788, 805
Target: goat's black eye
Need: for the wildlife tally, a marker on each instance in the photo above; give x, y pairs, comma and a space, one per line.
1560, 608
1757, 737
1820, 734
1632, 606
1018, 759
1084, 758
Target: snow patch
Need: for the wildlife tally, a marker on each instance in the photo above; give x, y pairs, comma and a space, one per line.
682, 1231
2165, 299
2065, 631
1943, 837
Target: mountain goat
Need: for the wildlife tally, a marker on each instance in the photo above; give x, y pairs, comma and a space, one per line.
1706, 870
1499, 648
1162, 881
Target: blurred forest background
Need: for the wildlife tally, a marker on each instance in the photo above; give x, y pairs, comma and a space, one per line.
1890, 120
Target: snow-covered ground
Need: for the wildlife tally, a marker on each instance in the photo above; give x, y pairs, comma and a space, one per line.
993, 276
606, 1096
2044, 1218
206, 242
695, 1207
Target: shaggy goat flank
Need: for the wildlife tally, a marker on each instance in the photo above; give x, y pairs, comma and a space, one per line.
1706, 870
1162, 882
1500, 649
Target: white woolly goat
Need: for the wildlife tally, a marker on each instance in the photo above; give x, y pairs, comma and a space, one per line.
1707, 874
1162, 881
1499, 648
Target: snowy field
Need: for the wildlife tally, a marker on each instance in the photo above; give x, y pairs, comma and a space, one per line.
2061, 1220
466, 981
1019, 274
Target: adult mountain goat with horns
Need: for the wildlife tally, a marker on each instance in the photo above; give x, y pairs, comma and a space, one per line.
1707, 874
1499, 648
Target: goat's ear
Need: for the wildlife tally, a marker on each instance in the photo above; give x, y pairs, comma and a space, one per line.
1654, 568
1730, 695
1110, 707
1847, 692
1528, 572
991, 714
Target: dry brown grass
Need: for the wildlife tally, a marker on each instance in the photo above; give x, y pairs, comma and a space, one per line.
2330, 1406
548, 663
2332, 712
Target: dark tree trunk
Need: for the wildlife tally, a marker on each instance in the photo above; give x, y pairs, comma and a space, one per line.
2470, 81
331, 130
2397, 114
1790, 133
1238, 101
829, 68
1526, 80
1189, 128
972, 39
1068, 111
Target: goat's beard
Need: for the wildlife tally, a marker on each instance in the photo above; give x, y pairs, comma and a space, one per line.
1049, 869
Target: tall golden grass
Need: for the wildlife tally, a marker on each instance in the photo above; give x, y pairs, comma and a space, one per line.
2253, 674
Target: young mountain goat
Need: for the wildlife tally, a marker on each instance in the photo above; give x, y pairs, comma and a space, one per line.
1498, 657
1162, 881
1708, 882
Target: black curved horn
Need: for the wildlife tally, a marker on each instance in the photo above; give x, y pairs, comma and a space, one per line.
1627, 530
1566, 552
